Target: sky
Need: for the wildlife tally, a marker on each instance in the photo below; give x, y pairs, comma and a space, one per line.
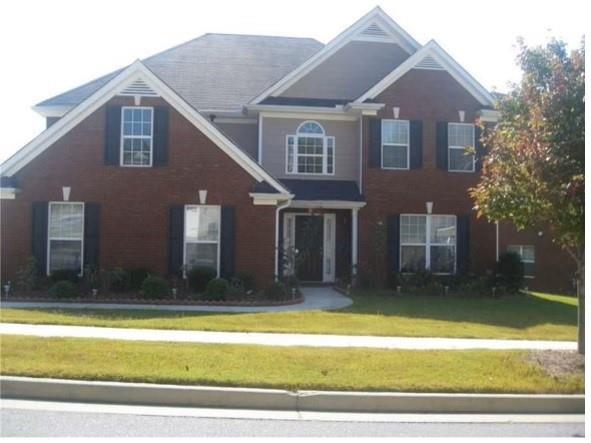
48, 47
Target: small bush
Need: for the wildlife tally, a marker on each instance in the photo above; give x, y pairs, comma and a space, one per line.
509, 272
137, 276
291, 281
276, 291
63, 289
235, 293
27, 276
118, 280
65, 274
216, 289
155, 287
199, 277
247, 279
91, 277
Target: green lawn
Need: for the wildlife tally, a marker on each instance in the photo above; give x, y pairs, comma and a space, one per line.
533, 316
287, 368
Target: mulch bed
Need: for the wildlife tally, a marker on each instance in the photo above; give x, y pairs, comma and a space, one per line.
558, 364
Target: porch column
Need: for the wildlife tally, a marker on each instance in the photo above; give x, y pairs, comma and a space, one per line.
354, 212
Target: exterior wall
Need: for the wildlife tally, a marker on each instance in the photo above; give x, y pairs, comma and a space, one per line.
346, 135
554, 268
429, 96
246, 135
135, 201
349, 72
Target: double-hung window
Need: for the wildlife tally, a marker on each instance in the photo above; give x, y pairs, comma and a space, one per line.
310, 150
460, 137
428, 242
528, 257
137, 130
395, 144
65, 237
202, 237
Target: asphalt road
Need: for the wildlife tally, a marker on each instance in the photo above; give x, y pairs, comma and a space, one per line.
44, 419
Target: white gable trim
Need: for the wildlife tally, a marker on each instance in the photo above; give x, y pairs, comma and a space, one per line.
436, 52
114, 87
353, 32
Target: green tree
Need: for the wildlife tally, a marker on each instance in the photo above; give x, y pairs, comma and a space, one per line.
533, 174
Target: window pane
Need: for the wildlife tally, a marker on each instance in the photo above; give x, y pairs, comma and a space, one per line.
202, 223
202, 254
395, 131
460, 160
310, 145
443, 259
310, 164
413, 229
528, 254
65, 254
66, 220
529, 269
460, 135
290, 153
515, 249
412, 258
395, 157
329, 155
310, 128
443, 229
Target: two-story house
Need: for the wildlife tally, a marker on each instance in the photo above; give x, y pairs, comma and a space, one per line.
268, 155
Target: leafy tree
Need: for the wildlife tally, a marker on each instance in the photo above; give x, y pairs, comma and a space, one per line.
533, 175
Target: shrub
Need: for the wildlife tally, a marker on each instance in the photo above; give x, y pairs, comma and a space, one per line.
276, 291
27, 276
199, 277
155, 287
137, 276
63, 289
235, 292
291, 281
509, 272
65, 274
216, 289
247, 279
118, 280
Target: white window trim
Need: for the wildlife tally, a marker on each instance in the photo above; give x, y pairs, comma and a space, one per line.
463, 148
427, 245
218, 241
123, 137
50, 238
296, 154
407, 145
533, 262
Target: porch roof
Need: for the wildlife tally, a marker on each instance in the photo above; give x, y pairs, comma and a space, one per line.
323, 190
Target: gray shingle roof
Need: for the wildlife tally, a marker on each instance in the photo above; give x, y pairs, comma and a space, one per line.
215, 71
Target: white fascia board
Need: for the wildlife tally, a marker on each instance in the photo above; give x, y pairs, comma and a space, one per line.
326, 204
305, 112
101, 96
367, 109
8, 193
451, 66
262, 198
53, 110
409, 44
489, 115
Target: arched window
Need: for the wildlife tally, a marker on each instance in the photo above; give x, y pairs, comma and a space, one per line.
310, 151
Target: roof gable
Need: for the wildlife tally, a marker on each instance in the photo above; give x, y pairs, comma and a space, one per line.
432, 56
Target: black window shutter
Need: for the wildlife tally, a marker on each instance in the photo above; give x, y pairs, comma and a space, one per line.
113, 135
39, 236
479, 147
92, 215
463, 246
175, 239
442, 146
416, 144
228, 240
160, 136
375, 143
393, 240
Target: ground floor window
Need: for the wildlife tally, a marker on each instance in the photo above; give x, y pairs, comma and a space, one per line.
65, 237
528, 257
202, 237
428, 242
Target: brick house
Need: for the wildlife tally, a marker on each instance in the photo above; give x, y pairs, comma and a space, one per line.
267, 155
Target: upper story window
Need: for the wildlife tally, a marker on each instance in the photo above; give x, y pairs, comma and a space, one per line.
460, 136
65, 236
310, 151
202, 237
528, 257
137, 130
395, 144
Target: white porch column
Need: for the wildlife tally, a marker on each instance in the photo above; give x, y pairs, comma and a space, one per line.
354, 230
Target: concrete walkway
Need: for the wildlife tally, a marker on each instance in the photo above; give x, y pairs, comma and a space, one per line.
272, 339
315, 298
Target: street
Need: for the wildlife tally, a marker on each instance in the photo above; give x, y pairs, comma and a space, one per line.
21, 418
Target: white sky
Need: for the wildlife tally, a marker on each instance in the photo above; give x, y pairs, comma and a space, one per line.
50, 46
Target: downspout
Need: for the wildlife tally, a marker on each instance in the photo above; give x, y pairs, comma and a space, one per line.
497, 249
279, 208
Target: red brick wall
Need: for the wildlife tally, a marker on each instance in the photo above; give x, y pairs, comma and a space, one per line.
135, 201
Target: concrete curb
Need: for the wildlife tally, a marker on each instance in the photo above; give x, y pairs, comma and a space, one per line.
276, 399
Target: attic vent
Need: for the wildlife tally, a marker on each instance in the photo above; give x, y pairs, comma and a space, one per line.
374, 30
428, 63
138, 87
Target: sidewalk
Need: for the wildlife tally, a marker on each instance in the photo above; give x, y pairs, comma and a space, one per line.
273, 339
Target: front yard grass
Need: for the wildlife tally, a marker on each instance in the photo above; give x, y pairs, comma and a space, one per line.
534, 316
283, 368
